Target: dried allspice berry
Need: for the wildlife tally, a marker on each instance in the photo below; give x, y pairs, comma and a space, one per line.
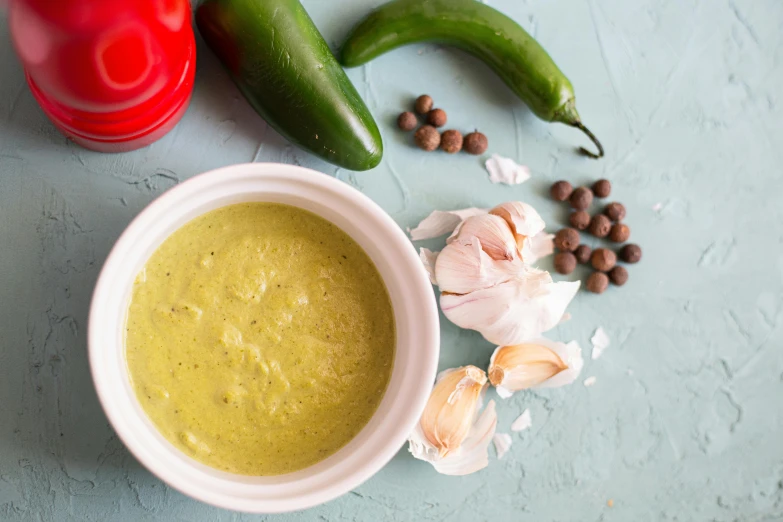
603, 259
615, 211
561, 190
407, 121
602, 188
451, 141
475, 143
598, 282
619, 233
579, 219
423, 104
427, 138
567, 239
600, 225
618, 275
581, 198
565, 262
631, 253
437, 117
583, 253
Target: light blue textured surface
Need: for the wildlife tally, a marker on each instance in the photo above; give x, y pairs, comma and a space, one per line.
685, 421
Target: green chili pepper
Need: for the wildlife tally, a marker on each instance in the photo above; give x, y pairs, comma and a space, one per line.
283, 66
481, 31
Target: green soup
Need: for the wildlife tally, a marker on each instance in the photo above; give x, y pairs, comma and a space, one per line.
260, 338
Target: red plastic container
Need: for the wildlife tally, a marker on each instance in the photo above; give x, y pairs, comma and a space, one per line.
113, 75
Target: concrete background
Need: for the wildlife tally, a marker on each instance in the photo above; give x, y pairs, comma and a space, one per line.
685, 421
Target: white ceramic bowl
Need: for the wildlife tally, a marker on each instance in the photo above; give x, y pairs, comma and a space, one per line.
415, 312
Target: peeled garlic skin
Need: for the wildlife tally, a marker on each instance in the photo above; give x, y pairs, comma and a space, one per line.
451, 410
441, 222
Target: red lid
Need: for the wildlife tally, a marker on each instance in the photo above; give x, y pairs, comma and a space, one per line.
107, 70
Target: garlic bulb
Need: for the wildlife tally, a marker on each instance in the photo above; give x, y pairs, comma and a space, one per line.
484, 275
524, 221
538, 363
465, 267
449, 434
513, 311
495, 235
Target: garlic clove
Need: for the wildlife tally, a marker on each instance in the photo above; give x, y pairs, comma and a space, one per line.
571, 353
428, 259
524, 220
451, 409
472, 455
463, 267
538, 363
523, 366
495, 235
441, 222
513, 311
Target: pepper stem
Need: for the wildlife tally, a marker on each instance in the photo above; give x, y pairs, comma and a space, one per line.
578, 124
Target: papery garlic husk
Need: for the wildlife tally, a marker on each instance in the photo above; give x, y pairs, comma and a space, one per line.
514, 311
496, 237
538, 363
524, 220
441, 222
451, 408
440, 437
463, 267
503, 443
428, 260
537, 247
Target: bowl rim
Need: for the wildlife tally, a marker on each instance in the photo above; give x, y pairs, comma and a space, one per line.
177, 196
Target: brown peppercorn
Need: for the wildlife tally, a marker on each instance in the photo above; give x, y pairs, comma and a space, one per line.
581, 198
427, 138
475, 143
567, 239
579, 219
602, 188
600, 225
618, 275
615, 211
437, 117
423, 104
603, 259
407, 121
561, 190
565, 262
451, 141
582, 253
631, 253
619, 233
598, 282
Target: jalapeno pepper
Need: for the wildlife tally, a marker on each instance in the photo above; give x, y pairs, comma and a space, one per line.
283, 66
483, 32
